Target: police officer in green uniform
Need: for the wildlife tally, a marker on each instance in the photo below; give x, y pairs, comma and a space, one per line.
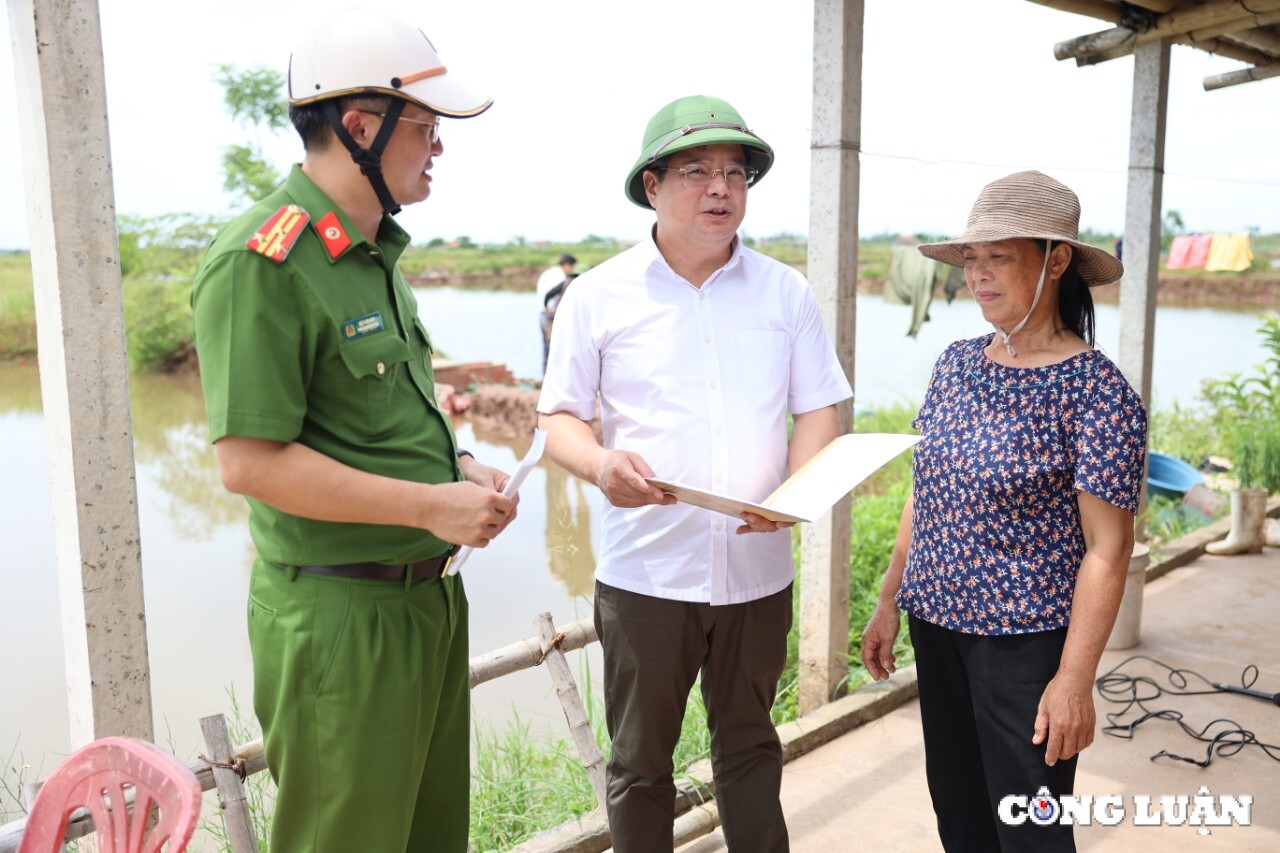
320, 396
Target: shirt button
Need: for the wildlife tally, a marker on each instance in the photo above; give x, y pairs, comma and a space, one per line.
719, 430
719, 525
701, 295
706, 339
382, 368
714, 384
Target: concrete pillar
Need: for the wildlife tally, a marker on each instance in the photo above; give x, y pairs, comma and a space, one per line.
1142, 217
833, 273
1143, 214
84, 382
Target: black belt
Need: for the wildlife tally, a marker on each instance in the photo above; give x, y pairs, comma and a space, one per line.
433, 568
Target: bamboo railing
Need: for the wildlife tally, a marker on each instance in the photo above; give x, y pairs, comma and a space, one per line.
230, 765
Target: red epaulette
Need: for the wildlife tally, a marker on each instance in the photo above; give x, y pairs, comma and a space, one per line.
332, 235
274, 238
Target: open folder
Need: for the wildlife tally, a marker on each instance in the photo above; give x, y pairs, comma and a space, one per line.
808, 493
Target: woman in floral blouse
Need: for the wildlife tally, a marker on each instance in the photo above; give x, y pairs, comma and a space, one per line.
1012, 552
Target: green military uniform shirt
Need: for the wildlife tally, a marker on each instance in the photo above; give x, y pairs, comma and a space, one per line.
307, 332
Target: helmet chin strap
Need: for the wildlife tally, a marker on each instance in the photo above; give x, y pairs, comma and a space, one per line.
370, 159
1034, 302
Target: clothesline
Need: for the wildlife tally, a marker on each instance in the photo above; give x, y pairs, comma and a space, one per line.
1212, 252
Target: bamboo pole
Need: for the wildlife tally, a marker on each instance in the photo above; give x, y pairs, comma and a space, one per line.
1233, 28
574, 711
231, 796
1217, 46
1187, 26
527, 653
1245, 75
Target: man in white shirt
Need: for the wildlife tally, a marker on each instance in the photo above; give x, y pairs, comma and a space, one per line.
697, 348
549, 279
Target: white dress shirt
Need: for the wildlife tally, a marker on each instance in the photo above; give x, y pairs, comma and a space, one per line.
698, 382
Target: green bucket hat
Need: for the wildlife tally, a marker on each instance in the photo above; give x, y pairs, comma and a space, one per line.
691, 123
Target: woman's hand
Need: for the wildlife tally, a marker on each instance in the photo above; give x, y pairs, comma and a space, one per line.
878, 638
1065, 719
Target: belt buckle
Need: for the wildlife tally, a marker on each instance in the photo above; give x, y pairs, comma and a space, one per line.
448, 561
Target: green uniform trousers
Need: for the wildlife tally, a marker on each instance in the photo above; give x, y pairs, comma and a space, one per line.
362, 690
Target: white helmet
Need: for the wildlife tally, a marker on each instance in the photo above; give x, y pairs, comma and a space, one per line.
364, 50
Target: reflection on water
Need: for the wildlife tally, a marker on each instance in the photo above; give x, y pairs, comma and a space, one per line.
196, 557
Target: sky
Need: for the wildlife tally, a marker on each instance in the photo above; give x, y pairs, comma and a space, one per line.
954, 95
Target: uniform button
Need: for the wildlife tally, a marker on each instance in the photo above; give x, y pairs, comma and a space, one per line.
719, 525
382, 368
714, 384
719, 430
706, 339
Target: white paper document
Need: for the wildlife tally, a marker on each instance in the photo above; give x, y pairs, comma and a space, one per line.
831, 474
513, 486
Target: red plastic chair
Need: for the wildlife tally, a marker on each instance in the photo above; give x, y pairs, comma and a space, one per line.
97, 777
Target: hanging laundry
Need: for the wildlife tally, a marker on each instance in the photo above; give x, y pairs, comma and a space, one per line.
1200, 245
1189, 252
1179, 252
910, 282
954, 283
1229, 253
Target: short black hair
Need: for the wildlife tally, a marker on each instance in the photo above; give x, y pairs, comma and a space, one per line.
312, 123
567, 259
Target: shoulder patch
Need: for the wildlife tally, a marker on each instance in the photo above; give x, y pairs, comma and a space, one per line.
332, 234
274, 238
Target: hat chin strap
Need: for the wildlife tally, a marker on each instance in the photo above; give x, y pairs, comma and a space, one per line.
1034, 302
370, 159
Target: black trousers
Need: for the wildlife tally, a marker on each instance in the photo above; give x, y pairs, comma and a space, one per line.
654, 649
978, 702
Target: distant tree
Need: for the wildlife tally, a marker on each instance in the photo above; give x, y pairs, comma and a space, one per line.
464, 242
253, 97
1171, 226
435, 242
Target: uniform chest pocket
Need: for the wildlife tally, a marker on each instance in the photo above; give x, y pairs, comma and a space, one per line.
375, 367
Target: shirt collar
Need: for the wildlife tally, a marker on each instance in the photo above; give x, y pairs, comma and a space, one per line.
654, 255
392, 239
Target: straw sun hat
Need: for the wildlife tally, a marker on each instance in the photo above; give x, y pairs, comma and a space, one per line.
1035, 206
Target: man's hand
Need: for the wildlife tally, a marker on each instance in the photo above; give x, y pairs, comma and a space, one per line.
467, 513
620, 475
1065, 719
760, 524
877, 641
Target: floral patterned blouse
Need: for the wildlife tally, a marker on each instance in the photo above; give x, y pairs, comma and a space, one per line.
996, 541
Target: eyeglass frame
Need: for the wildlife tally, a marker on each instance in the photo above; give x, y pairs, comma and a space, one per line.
750, 173
434, 125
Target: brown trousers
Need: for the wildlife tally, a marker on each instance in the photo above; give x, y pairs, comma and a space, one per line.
654, 650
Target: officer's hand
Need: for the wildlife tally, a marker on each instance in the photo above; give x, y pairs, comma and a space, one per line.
489, 478
620, 475
466, 513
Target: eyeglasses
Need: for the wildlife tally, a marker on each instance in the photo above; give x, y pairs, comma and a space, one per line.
734, 176
434, 124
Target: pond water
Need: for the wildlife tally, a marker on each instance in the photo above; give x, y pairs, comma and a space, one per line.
197, 554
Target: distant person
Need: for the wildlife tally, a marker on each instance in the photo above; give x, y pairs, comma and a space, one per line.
1120, 249
552, 302
698, 349
320, 395
1014, 545
549, 279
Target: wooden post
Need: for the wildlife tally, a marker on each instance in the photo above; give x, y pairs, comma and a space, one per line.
1142, 219
833, 275
231, 796
574, 711
83, 374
